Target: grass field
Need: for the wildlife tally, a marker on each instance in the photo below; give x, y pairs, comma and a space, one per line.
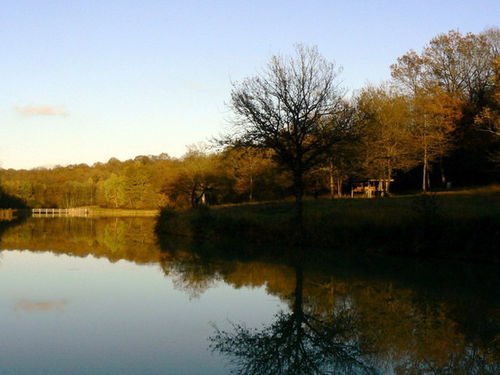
458, 224
459, 203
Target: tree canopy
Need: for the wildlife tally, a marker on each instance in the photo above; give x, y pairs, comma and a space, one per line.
290, 108
434, 123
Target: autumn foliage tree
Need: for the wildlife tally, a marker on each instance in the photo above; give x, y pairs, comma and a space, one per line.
196, 178
435, 114
248, 165
387, 140
452, 83
440, 112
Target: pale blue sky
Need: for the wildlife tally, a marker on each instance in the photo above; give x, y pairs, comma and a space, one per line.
83, 81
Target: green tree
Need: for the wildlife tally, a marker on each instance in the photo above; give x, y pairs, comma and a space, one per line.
137, 184
114, 190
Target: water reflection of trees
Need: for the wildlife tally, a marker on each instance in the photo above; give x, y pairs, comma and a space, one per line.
353, 316
344, 320
130, 239
298, 342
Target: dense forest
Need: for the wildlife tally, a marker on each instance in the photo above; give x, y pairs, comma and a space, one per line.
435, 124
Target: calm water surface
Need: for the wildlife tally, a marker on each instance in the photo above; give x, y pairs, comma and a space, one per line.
99, 296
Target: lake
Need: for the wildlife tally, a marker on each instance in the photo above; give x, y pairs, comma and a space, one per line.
100, 296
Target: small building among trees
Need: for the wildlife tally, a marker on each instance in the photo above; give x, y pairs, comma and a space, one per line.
374, 187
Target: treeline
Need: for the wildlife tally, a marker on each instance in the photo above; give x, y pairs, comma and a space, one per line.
10, 201
435, 123
151, 181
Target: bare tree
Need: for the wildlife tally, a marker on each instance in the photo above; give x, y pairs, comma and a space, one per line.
289, 108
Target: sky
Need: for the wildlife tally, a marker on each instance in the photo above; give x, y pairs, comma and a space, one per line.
82, 81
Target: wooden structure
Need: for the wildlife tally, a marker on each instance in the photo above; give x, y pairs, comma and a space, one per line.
8, 214
55, 212
375, 187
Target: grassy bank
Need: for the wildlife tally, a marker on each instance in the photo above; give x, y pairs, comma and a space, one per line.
461, 225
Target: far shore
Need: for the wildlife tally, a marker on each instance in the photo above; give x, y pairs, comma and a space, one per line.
10, 213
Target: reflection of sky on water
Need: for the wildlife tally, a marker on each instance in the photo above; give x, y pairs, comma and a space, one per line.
101, 297
111, 318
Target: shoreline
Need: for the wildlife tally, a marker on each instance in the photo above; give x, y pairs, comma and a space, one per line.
91, 212
458, 227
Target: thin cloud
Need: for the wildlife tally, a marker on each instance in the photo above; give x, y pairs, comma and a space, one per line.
34, 306
43, 110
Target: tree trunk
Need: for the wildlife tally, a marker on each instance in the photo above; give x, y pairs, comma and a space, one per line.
298, 294
250, 195
388, 182
424, 170
332, 187
298, 185
441, 169
193, 197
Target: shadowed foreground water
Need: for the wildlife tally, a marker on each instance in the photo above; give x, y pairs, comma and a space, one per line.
99, 296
